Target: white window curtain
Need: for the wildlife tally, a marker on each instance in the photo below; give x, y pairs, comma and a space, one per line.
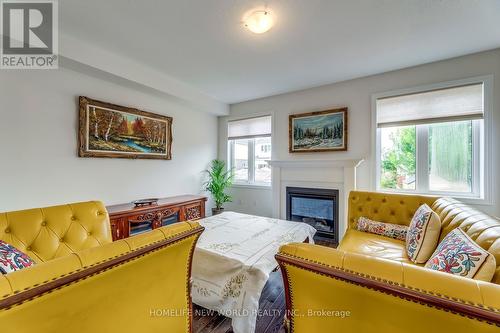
449, 104
249, 128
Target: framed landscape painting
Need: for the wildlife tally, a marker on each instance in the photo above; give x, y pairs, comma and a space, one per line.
108, 130
318, 131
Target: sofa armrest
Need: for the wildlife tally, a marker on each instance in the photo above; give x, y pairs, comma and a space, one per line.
328, 288
126, 285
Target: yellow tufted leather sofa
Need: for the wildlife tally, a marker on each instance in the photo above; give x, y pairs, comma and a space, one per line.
84, 282
368, 284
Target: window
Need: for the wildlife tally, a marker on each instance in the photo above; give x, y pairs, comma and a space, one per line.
249, 147
432, 141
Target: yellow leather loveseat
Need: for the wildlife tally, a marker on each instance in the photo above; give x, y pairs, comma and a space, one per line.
368, 284
84, 282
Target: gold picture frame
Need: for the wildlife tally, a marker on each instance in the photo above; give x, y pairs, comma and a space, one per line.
114, 131
321, 131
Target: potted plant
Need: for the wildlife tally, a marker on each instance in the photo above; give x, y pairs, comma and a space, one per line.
219, 180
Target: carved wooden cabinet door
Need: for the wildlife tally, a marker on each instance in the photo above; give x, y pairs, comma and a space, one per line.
194, 211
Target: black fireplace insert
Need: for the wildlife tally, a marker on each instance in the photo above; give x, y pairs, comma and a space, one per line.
317, 207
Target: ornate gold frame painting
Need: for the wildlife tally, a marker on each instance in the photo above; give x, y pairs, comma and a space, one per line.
109, 130
318, 131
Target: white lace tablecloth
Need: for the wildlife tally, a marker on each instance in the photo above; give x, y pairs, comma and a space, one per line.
233, 259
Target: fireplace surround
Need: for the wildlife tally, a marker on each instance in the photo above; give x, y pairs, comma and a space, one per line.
337, 174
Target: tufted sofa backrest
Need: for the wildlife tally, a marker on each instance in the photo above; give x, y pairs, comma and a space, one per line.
52, 232
386, 207
482, 228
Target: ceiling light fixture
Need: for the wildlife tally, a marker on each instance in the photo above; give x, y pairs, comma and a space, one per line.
259, 21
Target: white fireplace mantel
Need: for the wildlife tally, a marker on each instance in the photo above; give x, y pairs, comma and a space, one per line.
315, 163
334, 174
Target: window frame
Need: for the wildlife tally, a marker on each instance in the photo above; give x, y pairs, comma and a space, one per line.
481, 142
251, 154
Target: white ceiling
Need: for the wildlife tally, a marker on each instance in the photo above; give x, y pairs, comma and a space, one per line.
314, 42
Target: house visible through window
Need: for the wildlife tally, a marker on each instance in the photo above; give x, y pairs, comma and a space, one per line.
249, 147
432, 141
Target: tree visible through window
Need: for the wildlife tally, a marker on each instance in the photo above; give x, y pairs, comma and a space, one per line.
399, 150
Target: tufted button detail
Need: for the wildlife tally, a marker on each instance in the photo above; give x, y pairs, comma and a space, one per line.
89, 233
99, 213
384, 200
402, 202
69, 223
368, 199
392, 212
360, 209
375, 211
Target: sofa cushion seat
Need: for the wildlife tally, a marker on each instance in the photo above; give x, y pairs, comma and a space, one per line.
374, 245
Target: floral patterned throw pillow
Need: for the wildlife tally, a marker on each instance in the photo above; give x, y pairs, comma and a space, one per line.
11, 259
460, 255
423, 234
395, 231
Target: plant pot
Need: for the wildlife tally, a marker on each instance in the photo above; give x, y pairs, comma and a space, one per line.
217, 211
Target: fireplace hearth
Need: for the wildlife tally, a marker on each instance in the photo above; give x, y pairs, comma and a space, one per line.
317, 207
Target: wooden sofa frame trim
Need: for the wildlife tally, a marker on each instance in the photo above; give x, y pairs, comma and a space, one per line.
37, 291
492, 316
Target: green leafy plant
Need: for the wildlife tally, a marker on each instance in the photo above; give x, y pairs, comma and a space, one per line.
401, 159
219, 180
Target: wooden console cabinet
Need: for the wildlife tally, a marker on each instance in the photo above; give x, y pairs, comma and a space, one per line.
126, 219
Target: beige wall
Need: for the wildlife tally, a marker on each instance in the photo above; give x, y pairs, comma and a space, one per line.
356, 95
38, 142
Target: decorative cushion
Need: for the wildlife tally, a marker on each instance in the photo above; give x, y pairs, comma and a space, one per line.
423, 234
11, 259
460, 255
395, 231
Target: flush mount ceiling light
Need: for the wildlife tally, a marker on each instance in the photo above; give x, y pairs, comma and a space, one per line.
259, 21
